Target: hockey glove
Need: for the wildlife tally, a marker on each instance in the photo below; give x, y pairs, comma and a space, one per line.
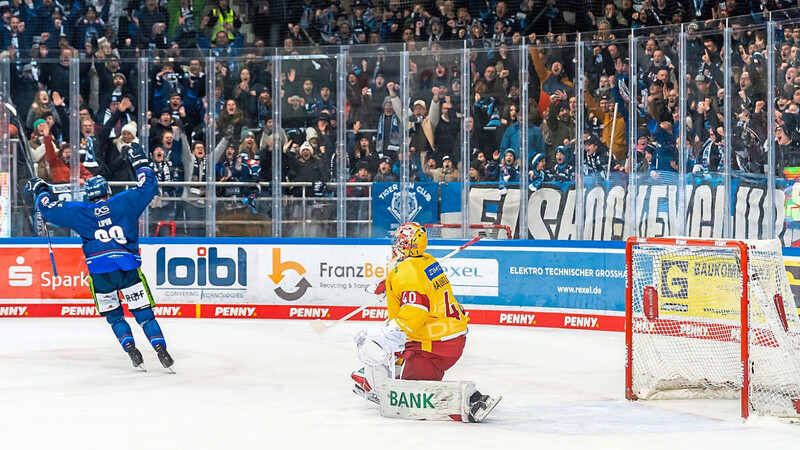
377, 288
375, 346
250, 202
36, 186
137, 157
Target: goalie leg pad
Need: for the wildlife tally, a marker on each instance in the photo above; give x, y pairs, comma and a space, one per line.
369, 379
426, 400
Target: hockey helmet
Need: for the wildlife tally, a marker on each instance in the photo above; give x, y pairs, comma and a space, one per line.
410, 239
96, 187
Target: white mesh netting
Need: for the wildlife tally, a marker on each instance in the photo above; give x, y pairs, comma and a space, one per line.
686, 325
453, 231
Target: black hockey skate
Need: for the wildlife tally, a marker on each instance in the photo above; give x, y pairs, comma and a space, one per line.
481, 405
163, 356
135, 355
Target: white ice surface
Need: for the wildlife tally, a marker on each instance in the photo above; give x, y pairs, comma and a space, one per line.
267, 384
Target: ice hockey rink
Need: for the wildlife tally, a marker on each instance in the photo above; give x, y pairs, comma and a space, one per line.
269, 384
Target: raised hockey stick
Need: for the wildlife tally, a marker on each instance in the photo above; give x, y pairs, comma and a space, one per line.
319, 326
50, 247
29, 161
47, 235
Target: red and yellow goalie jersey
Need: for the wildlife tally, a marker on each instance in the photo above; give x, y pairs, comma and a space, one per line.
420, 297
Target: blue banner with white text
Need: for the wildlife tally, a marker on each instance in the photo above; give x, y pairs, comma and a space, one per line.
387, 206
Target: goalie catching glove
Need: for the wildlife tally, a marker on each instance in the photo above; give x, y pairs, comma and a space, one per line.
376, 346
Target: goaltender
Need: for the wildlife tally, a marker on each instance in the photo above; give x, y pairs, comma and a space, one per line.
425, 332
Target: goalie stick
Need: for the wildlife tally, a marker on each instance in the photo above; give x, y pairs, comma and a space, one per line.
319, 326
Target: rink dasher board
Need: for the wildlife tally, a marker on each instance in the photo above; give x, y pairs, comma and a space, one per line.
561, 284
505, 317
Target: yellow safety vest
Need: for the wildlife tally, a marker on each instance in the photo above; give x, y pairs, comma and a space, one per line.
222, 19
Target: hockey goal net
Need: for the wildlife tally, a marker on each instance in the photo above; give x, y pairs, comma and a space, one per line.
453, 230
712, 319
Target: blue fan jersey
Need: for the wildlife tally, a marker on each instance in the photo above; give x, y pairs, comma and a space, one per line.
110, 229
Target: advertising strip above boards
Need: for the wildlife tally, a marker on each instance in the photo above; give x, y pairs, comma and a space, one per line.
562, 284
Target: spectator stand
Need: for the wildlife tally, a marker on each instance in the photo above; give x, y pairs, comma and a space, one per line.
731, 138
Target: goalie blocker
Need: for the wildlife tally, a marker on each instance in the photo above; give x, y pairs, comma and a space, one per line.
434, 400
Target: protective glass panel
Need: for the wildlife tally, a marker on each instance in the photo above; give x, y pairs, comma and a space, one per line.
706, 163
657, 168
309, 120
494, 130
434, 125
176, 106
370, 72
749, 158
605, 144
377, 134
242, 151
786, 131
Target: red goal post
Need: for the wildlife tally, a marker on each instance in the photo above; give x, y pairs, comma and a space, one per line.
711, 319
453, 230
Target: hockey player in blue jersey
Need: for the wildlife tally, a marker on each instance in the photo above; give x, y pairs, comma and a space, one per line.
108, 227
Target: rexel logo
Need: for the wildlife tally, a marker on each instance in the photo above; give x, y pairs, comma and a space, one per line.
19, 275
205, 269
278, 269
473, 276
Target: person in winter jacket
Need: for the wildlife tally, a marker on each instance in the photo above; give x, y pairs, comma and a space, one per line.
665, 158
536, 176
59, 163
562, 170
597, 158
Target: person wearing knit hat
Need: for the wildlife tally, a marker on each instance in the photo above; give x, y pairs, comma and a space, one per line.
476, 171
307, 146
509, 169
129, 127
537, 158
246, 132
513, 154
38, 122
593, 139
536, 172
562, 169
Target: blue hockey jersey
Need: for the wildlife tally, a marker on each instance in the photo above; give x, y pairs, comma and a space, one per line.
110, 229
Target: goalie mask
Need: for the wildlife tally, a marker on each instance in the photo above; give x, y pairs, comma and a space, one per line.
410, 239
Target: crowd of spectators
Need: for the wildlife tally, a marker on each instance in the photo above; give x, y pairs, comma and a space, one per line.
41, 38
